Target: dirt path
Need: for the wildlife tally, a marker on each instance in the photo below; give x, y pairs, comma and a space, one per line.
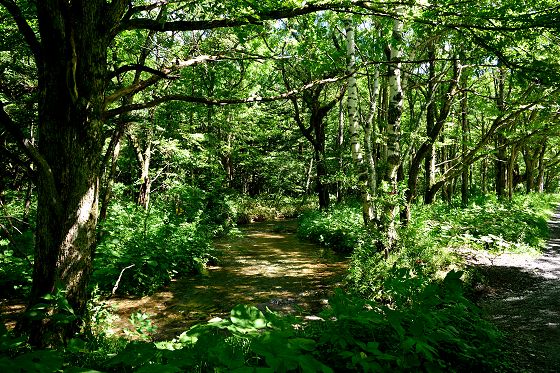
523, 299
267, 267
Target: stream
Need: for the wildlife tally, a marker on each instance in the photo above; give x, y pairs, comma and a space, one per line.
267, 266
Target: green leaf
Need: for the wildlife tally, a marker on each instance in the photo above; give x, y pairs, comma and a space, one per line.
248, 317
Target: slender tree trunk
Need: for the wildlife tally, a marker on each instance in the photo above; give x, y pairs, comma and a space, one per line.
483, 164
540, 177
510, 170
443, 168
308, 175
109, 168
500, 164
339, 145
320, 165
430, 158
394, 112
464, 140
529, 158
29, 191
106, 189
143, 158
352, 105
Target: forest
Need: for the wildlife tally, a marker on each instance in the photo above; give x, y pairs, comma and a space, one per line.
279, 186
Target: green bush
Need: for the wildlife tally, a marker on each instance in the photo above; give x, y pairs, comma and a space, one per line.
341, 228
246, 209
147, 249
519, 225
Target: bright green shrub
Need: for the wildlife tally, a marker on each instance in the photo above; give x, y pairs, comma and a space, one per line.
147, 249
341, 228
429, 326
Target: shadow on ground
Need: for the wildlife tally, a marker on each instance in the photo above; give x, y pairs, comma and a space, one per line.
523, 298
266, 268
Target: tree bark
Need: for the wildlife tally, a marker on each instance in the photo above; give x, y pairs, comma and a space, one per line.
73, 63
541, 167
510, 170
394, 113
464, 140
500, 165
353, 120
430, 157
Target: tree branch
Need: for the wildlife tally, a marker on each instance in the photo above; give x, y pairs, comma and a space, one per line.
258, 19
31, 151
216, 102
138, 68
143, 84
24, 28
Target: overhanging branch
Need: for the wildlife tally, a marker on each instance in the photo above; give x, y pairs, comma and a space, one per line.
217, 102
257, 19
43, 168
24, 28
156, 77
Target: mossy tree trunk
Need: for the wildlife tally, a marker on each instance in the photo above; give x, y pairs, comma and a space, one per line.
72, 64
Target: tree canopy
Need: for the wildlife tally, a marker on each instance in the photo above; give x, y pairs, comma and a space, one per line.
323, 99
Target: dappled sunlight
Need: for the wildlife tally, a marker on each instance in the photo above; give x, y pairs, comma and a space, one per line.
524, 300
263, 268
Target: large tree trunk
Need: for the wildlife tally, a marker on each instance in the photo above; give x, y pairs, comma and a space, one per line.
72, 83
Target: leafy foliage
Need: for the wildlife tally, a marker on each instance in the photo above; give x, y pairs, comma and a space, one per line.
429, 326
145, 250
431, 240
340, 228
519, 225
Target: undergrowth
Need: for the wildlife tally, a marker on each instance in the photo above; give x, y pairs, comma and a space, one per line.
141, 251
434, 237
429, 326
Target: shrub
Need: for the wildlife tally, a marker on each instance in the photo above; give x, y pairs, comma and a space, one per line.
341, 228
145, 250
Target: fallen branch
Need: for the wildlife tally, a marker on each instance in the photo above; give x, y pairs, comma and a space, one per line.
119, 279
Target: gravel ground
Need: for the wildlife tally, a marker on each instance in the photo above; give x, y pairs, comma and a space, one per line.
521, 294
